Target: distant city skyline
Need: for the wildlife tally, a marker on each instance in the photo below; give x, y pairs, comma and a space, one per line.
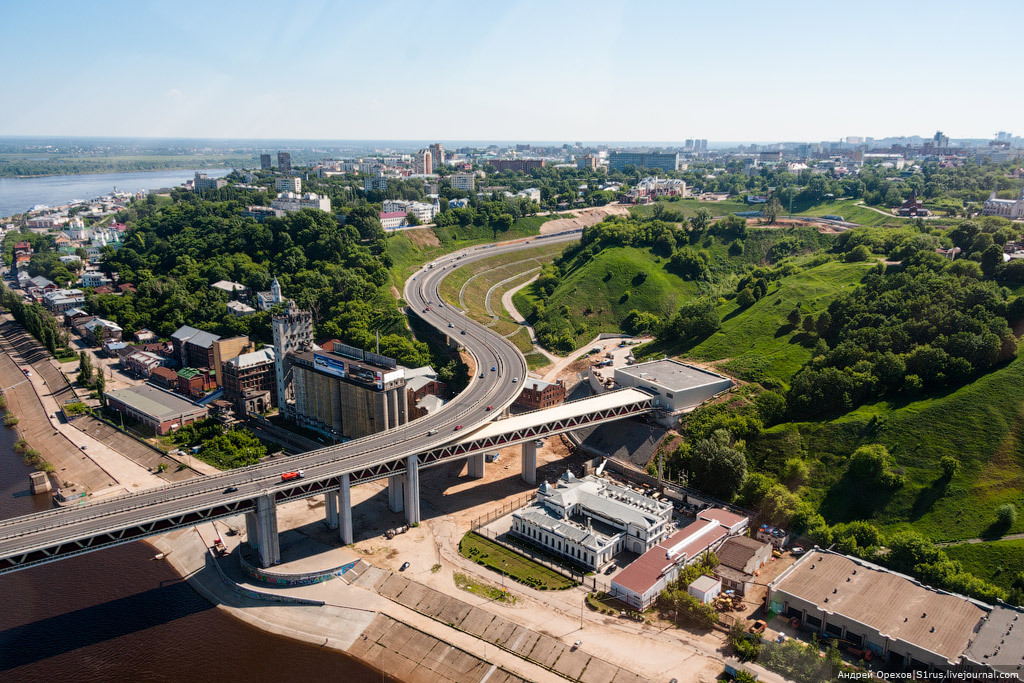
603, 70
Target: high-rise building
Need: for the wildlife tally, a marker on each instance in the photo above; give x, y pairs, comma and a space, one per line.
689, 143
293, 201
424, 162
378, 182
284, 162
462, 181
265, 163
586, 161
437, 154
345, 392
940, 140
293, 333
618, 161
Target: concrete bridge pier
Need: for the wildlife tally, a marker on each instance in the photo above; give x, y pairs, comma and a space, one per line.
530, 462
261, 527
476, 466
345, 510
331, 500
396, 492
412, 490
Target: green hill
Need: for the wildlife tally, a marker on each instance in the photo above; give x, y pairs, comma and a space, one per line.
597, 296
997, 561
757, 342
981, 424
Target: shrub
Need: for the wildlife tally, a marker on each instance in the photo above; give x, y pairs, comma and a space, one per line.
1006, 515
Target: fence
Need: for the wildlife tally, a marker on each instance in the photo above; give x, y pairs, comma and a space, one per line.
518, 502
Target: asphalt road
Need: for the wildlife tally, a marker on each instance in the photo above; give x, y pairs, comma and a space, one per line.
29, 533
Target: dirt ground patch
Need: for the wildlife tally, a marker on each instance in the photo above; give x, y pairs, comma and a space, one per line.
584, 218
423, 237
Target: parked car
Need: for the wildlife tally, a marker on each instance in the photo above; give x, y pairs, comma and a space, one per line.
405, 565
757, 627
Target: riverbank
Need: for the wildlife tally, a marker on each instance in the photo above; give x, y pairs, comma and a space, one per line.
19, 195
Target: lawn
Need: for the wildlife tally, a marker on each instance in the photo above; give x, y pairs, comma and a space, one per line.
689, 207
597, 296
996, 561
511, 564
850, 211
981, 424
484, 590
758, 342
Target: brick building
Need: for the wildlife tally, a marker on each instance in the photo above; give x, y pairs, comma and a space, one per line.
540, 394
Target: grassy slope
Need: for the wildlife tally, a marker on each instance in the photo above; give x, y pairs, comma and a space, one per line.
601, 284
758, 342
981, 423
408, 256
848, 209
998, 561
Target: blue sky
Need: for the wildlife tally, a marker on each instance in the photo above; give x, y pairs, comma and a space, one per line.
597, 70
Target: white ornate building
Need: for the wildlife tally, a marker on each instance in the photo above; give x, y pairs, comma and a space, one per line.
1007, 208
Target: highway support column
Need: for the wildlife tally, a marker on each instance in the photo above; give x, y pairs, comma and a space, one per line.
331, 500
530, 462
476, 466
261, 527
396, 492
412, 490
345, 509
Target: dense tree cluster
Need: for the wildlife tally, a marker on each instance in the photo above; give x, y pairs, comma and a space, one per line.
172, 253
915, 330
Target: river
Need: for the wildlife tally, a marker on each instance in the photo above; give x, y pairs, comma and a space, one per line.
116, 615
18, 195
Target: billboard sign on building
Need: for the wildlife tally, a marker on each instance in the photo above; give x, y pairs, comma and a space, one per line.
332, 366
380, 361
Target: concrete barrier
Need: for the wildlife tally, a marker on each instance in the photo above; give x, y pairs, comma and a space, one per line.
290, 579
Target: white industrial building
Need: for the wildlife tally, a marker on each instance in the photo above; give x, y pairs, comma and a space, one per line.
591, 520
424, 212
677, 386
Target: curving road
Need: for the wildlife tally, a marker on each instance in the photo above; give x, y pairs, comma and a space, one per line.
37, 538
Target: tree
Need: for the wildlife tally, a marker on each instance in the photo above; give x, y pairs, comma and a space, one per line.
794, 317
950, 466
412, 219
745, 298
84, 369
100, 386
771, 407
701, 220
717, 466
771, 210
503, 223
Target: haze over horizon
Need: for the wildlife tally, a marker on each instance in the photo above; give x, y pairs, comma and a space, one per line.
607, 71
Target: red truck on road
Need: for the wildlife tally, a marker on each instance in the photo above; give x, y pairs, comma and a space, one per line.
288, 476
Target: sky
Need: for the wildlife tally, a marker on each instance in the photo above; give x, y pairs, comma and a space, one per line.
548, 70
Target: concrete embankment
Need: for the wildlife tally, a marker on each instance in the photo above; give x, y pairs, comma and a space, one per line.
395, 640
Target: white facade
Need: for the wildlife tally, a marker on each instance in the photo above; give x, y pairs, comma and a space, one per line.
290, 202
1007, 208
591, 520
288, 184
423, 211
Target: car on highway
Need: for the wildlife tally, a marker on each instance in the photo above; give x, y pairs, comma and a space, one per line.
231, 489
457, 427
493, 368
490, 407
290, 476
463, 332
514, 380
427, 309
481, 375
451, 325
405, 565
432, 432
